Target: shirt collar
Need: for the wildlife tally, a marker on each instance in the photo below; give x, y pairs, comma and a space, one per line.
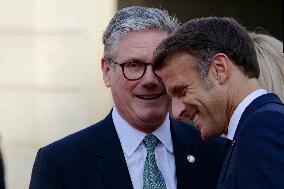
130, 138
234, 121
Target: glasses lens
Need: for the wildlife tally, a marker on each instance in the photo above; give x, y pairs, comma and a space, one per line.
157, 73
134, 70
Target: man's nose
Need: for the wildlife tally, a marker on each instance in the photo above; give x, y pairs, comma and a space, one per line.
178, 108
149, 76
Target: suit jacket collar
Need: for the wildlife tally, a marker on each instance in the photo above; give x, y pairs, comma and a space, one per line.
112, 158
234, 120
254, 105
127, 133
112, 167
251, 108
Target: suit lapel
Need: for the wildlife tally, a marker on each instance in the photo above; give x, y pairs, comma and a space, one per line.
187, 173
255, 104
114, 171
226, 163
112, 167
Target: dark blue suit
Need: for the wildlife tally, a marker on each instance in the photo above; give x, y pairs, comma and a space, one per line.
256, 160
2, 183
93, 159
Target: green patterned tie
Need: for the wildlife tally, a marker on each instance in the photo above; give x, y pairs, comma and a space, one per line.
152, 176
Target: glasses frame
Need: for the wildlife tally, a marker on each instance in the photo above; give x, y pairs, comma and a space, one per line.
122, 65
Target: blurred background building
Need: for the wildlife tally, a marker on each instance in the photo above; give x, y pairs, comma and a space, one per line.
50, 79
266, 14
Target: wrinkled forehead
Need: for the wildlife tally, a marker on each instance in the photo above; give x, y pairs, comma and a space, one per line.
140, 44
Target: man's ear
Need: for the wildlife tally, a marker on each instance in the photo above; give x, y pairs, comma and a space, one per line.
106, 69
220, 67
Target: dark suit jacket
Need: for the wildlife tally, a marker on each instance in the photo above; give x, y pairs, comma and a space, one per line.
93, 159
256, 160
2, 183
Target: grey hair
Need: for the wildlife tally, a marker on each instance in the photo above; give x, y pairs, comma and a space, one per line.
135, 18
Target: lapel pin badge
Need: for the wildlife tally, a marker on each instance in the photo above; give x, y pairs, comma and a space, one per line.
190, 158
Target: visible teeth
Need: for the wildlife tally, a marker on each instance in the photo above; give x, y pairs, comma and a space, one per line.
195, 118
149, 97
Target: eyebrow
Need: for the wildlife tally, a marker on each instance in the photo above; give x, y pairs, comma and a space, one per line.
177, 90
134, 60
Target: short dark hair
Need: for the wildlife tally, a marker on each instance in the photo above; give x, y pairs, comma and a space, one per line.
207, 36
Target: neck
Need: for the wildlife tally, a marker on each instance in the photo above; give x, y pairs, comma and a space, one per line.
239, 91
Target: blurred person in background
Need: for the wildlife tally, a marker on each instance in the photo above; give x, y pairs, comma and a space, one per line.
270, 56
210, 70
137, 145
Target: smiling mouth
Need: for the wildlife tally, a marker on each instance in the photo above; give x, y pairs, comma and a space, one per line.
194, 117
149, 97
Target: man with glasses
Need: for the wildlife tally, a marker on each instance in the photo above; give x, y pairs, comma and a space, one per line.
137, 145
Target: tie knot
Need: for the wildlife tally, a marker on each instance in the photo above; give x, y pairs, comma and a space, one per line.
150, 141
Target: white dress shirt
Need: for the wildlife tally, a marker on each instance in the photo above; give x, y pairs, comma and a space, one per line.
234, 121
135, 152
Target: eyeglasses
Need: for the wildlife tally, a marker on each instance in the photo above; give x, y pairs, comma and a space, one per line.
133, 70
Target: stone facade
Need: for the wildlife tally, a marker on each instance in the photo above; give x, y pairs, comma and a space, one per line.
50, 79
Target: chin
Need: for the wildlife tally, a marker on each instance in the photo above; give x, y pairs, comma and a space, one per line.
205, 135
153, 117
